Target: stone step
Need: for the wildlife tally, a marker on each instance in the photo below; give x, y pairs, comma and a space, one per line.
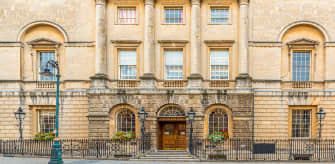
168, 160
168, 155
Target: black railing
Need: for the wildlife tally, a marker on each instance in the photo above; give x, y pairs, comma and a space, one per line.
79, 148
268, 150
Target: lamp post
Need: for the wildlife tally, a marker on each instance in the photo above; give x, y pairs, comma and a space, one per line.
56, 150
20, 115
143, 116
321, 115
191, 116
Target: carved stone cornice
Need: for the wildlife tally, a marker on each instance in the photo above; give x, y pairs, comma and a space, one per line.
302, 42
10, 44
264, 44
195, 2
149, 2
101, 2
329, 44
244, 2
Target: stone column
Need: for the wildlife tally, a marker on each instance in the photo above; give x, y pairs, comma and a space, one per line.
99, 79
195, 79
148, 79
243, 79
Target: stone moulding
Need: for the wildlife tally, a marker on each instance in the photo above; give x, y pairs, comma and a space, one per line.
80, 44
304, 22
265, 44
10, 44
42, 22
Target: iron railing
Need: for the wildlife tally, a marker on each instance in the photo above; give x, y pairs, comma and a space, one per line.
79, 148
265, 150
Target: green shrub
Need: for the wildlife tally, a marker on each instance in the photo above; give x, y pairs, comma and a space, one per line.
124, 136
45, 136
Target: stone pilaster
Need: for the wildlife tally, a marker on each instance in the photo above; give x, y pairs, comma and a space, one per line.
195, 79
99, 80
148, 79
243, 79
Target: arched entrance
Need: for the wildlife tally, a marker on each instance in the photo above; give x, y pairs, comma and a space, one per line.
172, 128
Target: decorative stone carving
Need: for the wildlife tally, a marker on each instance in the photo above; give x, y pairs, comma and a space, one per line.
122, 96
100, 2
172, 112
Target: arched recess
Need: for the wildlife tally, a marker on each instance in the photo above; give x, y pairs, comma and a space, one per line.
304, 22
214, 108
31, 25
171, 110
113, 114
303, 37
41, 38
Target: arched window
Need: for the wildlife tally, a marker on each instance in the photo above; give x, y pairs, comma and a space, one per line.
126, 121
172, 111
217, 121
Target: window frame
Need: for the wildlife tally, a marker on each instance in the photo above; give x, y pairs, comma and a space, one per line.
209, 62
312, 133
38, 61
118, 63
207, 113
113, 67
226, 123
221, 45
117, 119
113, 119
222, 6
163, 65
311, 69
117, 22
38, 118
35, 116
163, 18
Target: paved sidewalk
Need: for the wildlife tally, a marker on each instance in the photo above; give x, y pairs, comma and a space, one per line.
11, 160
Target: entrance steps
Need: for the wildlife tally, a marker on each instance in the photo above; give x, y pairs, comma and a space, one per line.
168, 155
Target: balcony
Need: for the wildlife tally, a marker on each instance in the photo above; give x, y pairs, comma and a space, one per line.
219, 84
128, 83
45, 84
303, 85
173, 83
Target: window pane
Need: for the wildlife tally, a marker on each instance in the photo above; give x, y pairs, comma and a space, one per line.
127, 15
301, 66
44, 58
219, 15
219, 60
174, 65
47, 121
127, 65
301, 123
174, 15
126, 121
218, 121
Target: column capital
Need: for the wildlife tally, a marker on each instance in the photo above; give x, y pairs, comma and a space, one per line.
101, 2
244, 2
149, 2
196, 2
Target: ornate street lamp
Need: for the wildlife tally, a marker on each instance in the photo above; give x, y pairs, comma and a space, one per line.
321, 115
20, 115
56, 150
143, 116
191, 116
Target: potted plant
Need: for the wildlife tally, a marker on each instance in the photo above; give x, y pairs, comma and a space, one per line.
216, 138
124, 136
44, 136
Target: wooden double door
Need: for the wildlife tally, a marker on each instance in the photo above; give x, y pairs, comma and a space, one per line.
173, 135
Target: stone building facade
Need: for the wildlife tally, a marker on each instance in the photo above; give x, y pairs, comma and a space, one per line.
256, 68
